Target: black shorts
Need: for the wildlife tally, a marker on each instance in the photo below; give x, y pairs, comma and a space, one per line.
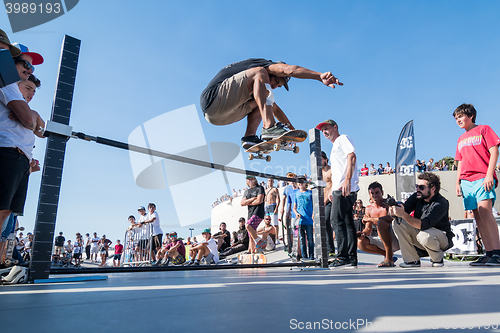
14, 174
117, 257
143, 244
157, 241
77, 255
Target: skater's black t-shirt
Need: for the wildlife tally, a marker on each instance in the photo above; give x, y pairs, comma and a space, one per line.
208, 95
257, 209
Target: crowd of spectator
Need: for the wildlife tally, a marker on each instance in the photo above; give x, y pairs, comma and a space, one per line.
22, 248
96, 249
420, 166
235, 194
175, 251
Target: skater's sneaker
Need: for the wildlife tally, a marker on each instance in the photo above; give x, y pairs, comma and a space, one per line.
260, 246
494, 260
189, 263
480, 262
438, 263
273, 132
249, 141
410, 264
196, 263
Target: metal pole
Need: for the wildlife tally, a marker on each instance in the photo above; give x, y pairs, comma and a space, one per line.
318, 198
54, 159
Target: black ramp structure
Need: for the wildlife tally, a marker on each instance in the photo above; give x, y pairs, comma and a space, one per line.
54, 160
318, 198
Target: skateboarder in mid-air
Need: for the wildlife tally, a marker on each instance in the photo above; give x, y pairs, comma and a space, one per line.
244, 89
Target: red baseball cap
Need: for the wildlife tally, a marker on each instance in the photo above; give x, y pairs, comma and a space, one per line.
37, 58
326, 122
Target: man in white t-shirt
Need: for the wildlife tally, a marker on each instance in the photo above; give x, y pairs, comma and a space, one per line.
154, 219
20, 242
16, 136
94, 248
345, 187
141, 235
206, 249
88, 245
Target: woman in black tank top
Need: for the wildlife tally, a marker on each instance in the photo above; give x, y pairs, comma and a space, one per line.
359, 212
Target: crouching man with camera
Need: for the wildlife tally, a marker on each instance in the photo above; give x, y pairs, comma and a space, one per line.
428, 231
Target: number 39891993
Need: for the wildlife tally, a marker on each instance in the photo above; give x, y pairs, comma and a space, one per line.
32, 8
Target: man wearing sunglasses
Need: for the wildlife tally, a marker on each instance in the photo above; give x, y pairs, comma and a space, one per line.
428, 231
16, 136
268, 232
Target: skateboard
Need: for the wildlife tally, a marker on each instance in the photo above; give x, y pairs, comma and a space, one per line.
289, 235
295, 243
309, 265
287, 141
11, 242
255, 258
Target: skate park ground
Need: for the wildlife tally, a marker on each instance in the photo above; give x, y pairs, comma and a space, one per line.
363, 299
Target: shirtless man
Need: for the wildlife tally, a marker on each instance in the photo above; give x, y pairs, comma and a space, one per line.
272, 205
327, 177
377, 213
267, 230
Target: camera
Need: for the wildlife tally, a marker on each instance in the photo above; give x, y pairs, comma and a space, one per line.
391, 201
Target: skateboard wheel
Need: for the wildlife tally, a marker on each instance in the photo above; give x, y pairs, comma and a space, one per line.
268, 158
296, 150
276, 147
250, 157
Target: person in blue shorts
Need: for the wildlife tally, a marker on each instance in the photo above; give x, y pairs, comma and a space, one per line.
303, 208
477, 155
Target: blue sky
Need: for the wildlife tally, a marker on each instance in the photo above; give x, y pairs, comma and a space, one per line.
399, 60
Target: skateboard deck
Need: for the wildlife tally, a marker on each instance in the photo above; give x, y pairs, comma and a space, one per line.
309, 265
8, 260
255, 258
287, 141
295, 244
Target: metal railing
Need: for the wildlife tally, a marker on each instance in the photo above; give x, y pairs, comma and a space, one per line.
138, 246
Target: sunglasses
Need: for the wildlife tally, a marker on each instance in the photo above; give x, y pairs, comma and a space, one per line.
26, 65
420, 187
267, 219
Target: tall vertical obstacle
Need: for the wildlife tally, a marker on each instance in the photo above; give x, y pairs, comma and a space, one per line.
54, 160
320, 239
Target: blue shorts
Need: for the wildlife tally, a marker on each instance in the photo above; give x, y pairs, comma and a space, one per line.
9, 226
269, 209
474, 192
